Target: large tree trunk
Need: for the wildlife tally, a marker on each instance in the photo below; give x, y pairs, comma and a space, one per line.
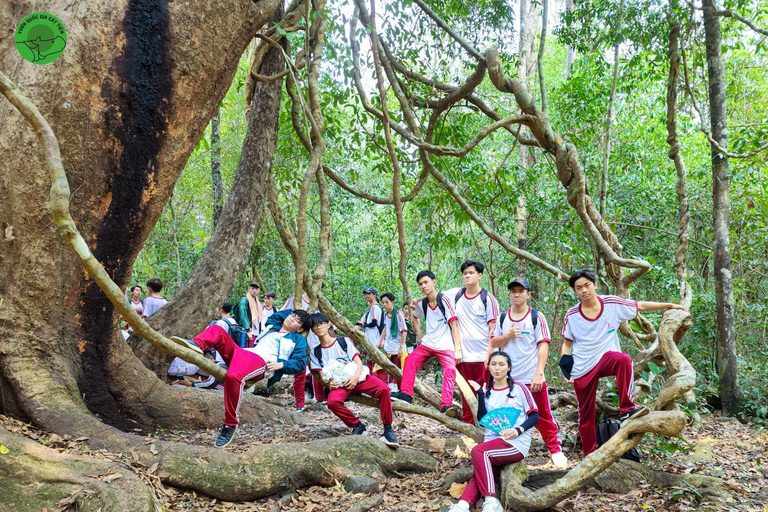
129, 98
730, 393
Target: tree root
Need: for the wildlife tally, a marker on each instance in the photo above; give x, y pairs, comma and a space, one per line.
519, 498
36, 478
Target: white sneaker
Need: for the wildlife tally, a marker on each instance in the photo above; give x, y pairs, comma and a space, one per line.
461, 506
491, 504
559, 460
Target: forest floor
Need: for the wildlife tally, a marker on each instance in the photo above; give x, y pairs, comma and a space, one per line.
723, 448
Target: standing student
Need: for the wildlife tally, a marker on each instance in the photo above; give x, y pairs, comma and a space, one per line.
441, 340
281, 350
371, 319
591, 350
477, 311
392, 338
342, 348
248, 312
268, 309
136, 303
300, 379
154, 300
523, 333
498, 449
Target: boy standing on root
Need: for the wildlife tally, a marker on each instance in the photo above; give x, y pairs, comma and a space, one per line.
281, 350
392, 338
441, 340
591, 350
498, 449
522, 333
341, 348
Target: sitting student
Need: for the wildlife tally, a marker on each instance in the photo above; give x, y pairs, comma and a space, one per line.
281, 350
154, 300
136, 302
523, 333
300, 391
332, 349
498, 449
441, 340
591, 350
248, 312
180, 368
392, 338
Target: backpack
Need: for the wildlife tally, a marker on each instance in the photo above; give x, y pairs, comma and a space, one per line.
318, 350
483, 296
238, 334
425, 305
534, 319
606, 429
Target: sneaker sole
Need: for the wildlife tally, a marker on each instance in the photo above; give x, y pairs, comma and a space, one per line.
183, 343
391, 445
230, 439
643, 411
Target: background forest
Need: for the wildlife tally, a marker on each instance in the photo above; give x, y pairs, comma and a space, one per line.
585, 47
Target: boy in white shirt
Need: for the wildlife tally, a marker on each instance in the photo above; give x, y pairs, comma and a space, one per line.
441, 340
523, 333
591, 350
154, 300
392, 338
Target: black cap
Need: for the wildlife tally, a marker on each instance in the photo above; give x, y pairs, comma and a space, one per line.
520, 281
372, 290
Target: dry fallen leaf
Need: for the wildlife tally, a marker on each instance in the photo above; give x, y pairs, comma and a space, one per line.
153, 468
457, 489
112, 475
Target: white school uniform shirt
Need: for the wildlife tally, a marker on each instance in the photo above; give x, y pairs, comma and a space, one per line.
437, 331
593, 337
521, 399
312, 339
138, 307
273, 346
392, 345
265, 314
524, 351
373, 314
474, 318
289, 304
333, 352
152, 304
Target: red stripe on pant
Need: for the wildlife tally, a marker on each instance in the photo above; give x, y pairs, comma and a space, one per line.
243, 366
487, 460
300, 386
371, 386
546, 424
612, 363
477, 373
387, 378
421, 355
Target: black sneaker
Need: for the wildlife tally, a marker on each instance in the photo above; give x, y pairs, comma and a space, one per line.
389, 438
449, 411
402, 396
359, 429
225, 436
191, 345
634, 412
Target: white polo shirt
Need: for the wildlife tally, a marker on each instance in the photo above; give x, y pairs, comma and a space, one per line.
273, 346
522, 400
593, 337
372, 315
524, 351
474, 317
392, 345
437, 331
333, 352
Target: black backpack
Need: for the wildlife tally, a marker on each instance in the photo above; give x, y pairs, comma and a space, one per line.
534, 319
483, 296
237, 332
342, 341
606, 429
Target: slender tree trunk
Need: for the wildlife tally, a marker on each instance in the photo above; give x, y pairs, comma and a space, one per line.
522, 233
730, 394
603, 199
218, 192
570, 51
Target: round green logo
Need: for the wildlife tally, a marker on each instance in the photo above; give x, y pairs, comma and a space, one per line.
41, 38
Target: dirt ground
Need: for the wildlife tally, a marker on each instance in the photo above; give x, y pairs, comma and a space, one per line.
723, 448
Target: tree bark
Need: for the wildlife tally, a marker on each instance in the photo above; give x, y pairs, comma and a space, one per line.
570, 51
218, 190
129, 114
730, 393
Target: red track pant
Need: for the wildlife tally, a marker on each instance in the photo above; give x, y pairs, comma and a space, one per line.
387, 378
477, 373
421, 355
243, 366
300, 385
612, 363
371, 386
546, 424
487, 460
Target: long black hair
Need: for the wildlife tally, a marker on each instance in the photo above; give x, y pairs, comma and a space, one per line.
510, 380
